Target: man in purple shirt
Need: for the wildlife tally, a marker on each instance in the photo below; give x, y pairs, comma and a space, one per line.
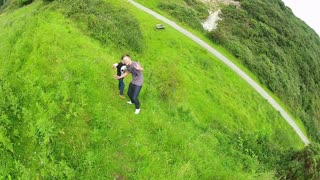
135, 86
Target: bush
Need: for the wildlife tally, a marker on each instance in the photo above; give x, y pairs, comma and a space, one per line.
199, 7
304, 164
106, 23
257, 145
48, 1
24, 2
182, 13
271, 42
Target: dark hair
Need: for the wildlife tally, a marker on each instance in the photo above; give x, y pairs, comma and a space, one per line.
126, 55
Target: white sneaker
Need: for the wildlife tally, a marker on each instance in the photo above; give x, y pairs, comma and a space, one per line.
129, 102
137, 111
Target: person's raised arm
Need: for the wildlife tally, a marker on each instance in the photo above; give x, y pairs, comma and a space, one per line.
122, 76
138, 67
115, 65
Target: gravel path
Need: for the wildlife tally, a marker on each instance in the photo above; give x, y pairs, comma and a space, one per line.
242, 74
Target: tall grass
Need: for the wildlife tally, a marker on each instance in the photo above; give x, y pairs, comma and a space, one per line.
102, 21
248, 33
61, 116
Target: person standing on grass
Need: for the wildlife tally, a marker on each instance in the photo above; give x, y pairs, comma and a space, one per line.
121, 68
135, 69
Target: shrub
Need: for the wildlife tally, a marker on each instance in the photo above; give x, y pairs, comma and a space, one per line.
279, 54
24, 2
257, 145
182, 13
199, 7
106, 23
219, 37
304, 164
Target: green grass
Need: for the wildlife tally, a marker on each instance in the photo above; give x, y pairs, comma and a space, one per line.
61, 116
153, 4
284, 82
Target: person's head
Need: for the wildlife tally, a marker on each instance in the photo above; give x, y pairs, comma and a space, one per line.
125, 59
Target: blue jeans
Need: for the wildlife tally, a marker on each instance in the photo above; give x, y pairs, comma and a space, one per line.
121, 86
133, 93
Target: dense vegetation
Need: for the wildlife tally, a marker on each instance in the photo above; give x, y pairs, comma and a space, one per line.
303, 164
190, 13
61, 118
280, 49
2, 2
110, 26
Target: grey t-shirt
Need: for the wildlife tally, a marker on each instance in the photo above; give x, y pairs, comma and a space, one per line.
137, 77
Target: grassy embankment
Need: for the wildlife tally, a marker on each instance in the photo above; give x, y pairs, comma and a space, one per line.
61, 115
269, 40
189, 14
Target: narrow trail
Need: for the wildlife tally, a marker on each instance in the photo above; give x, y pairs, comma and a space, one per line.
236, 69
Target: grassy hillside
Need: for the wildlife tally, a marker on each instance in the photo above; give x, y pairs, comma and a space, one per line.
291, 67
61, 116
266, 37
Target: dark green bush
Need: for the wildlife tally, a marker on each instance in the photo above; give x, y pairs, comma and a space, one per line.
280, 49
106, 23
24, 2
182, 13
257, 145
3, 2
16, 3
199, 7
48, 0
304, 164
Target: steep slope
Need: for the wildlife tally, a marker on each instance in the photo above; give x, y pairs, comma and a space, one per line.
231, 65
282, 50
61, 116
266, 37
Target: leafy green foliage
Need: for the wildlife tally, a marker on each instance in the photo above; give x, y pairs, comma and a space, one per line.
199, 7
191, 13
104, 22
20, 3
48, 1
24, 2
303, 164
280, 49
273, 44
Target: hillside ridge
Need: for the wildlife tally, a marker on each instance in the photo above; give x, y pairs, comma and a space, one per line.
62, 118
231, 65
